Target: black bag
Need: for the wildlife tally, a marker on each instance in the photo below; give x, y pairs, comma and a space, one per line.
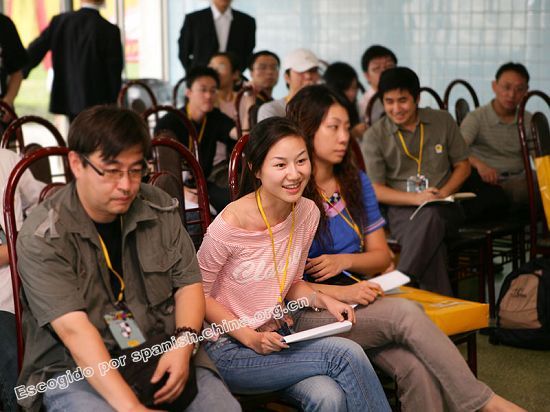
523, 307
138, 376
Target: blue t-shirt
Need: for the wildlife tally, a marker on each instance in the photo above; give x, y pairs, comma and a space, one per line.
344, 238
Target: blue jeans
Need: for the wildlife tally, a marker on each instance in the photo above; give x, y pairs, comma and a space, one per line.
341, 360
8, 361
80, 396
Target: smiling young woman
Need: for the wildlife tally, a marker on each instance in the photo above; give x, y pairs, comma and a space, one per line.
252, 259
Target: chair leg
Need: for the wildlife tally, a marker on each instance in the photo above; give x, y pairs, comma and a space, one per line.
471, 347
490, 274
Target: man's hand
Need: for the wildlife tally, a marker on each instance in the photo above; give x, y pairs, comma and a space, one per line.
362, 293
190, 194
265, 343
176, 363
326, 266
487, 173
430, 193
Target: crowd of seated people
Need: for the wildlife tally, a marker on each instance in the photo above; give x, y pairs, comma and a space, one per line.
94, 288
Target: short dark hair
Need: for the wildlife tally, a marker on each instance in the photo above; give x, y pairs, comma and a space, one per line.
232, 57
261, 53
340, 75
374, 52
401, 78
109, 130
514, 67
201, 71
263, 137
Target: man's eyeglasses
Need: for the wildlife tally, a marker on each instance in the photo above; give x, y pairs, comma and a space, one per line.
114, 175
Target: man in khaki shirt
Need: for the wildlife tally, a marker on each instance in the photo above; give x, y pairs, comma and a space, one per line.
106, 265
407, 143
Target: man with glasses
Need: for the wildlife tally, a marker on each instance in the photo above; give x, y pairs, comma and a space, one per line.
106, 266
491, 131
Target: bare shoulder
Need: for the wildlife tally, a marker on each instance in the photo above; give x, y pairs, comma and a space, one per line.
239, 212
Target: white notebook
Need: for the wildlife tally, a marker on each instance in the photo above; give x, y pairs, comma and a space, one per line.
319, 332
391, 280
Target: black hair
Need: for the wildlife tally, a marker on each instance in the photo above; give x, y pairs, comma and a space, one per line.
308, 108
263, 137
515, 67
374, 52
340, 76
110, 130
401, 78
261, 53
201, 71
232, 57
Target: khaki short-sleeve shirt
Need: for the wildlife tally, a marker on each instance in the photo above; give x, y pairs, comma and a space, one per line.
388, 163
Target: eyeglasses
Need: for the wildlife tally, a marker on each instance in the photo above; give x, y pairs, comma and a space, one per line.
261, 67
114, 175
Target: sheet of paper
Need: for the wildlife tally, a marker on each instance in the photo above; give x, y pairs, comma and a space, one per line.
319, 332
391, 280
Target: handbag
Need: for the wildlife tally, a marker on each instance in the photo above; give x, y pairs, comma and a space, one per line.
138, 376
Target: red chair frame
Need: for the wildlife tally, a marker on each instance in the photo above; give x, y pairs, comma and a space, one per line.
434, 94
7, 108
238, 99
11, 230
132, 83
187, 123
464, 83
236, 162
533, 201
175, 91
192, 161
370, 105
17, 123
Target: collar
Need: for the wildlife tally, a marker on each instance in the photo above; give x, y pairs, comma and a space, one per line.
493, 116
76, 220
91, 6
423, 117
217, 14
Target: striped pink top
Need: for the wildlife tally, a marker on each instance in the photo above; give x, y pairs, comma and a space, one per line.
237, 264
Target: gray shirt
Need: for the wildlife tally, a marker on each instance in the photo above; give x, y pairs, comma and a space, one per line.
387, 162
492, 141
272, 109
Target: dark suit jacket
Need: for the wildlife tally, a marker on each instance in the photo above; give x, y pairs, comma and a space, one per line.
198, 40
87, 60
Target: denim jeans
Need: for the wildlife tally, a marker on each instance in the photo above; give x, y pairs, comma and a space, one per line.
80, 396
340, 360
8, 361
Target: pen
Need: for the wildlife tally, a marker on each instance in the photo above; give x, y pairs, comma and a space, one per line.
349, 275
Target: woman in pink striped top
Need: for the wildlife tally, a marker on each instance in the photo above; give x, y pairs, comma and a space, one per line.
252, 259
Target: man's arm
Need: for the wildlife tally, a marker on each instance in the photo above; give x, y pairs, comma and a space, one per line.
190, 309
114, 63
185, 43
486, 172
38, 48
87, 349
4, 258
394, 197
461, 171
14, 83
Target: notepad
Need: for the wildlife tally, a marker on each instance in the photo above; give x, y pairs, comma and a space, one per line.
391, 280
319, 332
448, 199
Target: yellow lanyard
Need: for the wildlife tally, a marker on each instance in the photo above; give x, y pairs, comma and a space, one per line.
351, 223
110, 267
201, 133
418, 159
283, 280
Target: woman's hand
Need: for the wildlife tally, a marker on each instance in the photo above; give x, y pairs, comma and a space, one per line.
339, 310
324, 267
362, 293
265, 342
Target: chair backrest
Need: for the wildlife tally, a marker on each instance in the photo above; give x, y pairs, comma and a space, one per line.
357, 154
435, 96
468, 87
532, 145
242, 112
11, 228
7, 110
462, 108
369, 110
122, 100
195, 219
16, 127
191, 131
236, 164
171, 184
176, 90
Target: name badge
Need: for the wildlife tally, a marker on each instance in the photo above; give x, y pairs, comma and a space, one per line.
438, 148
124, 329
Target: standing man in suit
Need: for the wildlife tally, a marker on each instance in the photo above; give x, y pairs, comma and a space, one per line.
87, 59
218, 28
